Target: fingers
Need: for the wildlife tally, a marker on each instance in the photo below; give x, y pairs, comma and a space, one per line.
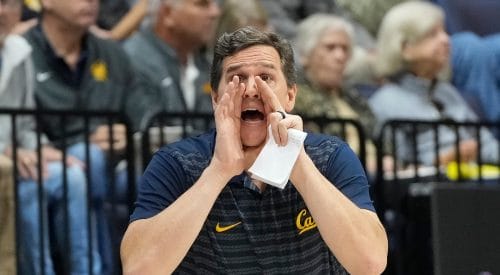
279, 120
230, 102
279, 128
71, 160
28, 166
268, 95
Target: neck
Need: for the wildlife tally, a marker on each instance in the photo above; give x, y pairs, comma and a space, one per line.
65, 40
424, 72
181, 48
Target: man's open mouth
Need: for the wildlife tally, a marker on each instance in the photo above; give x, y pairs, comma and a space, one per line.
252, 115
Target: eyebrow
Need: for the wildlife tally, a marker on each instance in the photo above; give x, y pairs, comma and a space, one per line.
236, 67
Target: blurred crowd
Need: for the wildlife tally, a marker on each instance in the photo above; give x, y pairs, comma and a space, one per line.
368, 60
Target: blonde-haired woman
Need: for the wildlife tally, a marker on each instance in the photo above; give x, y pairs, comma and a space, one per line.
413, 51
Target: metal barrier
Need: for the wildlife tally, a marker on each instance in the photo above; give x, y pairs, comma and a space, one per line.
166, 127
162, 129
403, 193
111, 202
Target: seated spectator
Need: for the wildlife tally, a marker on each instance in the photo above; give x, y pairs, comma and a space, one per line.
75, 70
16, 91
117, 19
285, 15
236, 14
413, 49
368, 13
475, 63
168, 54
324, 45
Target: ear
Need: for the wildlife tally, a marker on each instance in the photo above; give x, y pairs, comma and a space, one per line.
290, 98
215, 99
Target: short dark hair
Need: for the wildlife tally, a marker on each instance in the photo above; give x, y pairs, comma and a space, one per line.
230, 43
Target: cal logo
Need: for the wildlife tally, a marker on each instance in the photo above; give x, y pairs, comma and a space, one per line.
207, 89
33, 5
304, 222
99, 71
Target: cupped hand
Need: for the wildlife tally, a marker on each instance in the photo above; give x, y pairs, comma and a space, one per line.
279, 125
229, 157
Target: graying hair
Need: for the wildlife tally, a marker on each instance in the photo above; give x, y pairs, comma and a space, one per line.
231, 43
407, 22
311, 29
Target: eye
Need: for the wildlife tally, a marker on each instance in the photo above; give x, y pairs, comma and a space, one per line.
265, 77
242, 78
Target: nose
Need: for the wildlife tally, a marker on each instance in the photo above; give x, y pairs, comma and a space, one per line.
444, 37
340, 54
251, 90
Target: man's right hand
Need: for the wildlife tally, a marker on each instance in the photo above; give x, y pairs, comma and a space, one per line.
101, 137
229, 156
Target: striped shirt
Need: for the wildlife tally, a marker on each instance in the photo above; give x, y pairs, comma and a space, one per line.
247, 231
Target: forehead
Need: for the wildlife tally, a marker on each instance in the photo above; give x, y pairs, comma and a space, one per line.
11, 3
335, 35
254, 56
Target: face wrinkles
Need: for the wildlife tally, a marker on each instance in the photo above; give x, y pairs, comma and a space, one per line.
328, 60
10, 14
262, 61
76, 13
431, 53
201, 30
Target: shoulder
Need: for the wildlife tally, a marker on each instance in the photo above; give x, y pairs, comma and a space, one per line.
37, 40
136, 41
17, 47
191, 151
108, 46
387, 92
322, 147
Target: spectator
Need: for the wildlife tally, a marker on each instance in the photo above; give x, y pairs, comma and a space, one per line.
16, 91
368, 13
168, 53
324, 45
284, 16
200, 184
236, 14
413, 49
75, 70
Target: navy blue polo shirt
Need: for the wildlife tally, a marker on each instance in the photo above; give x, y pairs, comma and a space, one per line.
248, 231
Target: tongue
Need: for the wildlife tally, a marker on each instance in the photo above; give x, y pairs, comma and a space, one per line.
252, 116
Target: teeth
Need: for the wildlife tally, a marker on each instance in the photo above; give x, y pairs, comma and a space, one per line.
250, 109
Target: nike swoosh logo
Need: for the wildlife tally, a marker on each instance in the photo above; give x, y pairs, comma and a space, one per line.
220, 229
42, 77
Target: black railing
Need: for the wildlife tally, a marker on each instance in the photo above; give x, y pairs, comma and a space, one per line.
402, 193
167, 127
60, 120
390, 191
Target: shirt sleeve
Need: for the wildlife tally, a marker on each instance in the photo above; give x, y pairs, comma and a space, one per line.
345, 171
161, 184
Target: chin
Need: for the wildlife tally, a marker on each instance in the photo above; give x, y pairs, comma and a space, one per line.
253, 137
